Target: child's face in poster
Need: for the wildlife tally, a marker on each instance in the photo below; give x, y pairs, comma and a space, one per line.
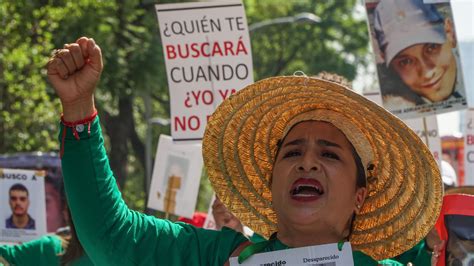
429, 69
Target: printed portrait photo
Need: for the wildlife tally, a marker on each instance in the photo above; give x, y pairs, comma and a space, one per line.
417, 57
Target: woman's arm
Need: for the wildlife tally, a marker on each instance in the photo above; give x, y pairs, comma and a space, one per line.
110, 233
42, 251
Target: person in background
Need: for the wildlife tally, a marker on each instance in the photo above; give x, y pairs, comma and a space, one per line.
198, 219
55, 209
450, 179
224, 218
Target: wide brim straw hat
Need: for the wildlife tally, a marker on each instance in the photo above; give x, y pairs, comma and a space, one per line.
403, 180
469, 190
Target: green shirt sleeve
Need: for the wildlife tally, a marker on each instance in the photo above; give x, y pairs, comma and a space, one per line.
43, 251
111, 233
418, 255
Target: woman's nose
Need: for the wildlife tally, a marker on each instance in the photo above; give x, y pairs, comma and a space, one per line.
309, 162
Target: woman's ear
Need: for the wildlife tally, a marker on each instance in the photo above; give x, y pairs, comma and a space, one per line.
449, 30
361, 193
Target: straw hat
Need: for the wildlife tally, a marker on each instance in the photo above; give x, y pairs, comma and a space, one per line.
469, 190
403, 180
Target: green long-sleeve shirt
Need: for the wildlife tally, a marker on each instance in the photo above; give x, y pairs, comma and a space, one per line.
112, 234
44, 251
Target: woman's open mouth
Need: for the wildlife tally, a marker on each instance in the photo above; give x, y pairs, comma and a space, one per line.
306, 189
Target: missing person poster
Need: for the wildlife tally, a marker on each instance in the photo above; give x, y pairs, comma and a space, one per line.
320, 255
208, 58
22, 205
374, 97
427, 129
417, 57
210, 222
469, 148
53, 186
455, 226
176, 177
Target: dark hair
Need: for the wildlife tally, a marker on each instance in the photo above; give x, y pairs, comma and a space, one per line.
18, 186
361, 178
58, 186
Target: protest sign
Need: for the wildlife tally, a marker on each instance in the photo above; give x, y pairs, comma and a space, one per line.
329, 254
51, 164
208, 57
469, 148
22, 208
210, 222
176, 176
435, 1
374, 97
455, 226
427, 129
417, 57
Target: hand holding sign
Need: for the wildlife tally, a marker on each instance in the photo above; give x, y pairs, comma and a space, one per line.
74, 72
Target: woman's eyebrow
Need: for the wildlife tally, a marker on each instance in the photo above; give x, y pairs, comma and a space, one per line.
323, 142
320, 142
295, 142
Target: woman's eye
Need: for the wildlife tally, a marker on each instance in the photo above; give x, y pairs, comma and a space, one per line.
291, 153
330, 155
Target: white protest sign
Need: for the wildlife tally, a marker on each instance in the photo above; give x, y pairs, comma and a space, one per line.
208, 57
435, 1
176, 176
22, 208
210, 222
469, 148
414, 81
427, 129
374, 97
328, 254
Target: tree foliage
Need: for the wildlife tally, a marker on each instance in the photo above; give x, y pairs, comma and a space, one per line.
134, 71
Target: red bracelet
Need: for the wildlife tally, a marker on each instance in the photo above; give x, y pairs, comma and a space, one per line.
73, 125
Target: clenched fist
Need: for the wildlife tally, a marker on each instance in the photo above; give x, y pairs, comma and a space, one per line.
74, 72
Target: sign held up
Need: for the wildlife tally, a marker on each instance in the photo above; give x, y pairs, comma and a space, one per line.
208, 58
176, 176
23, 207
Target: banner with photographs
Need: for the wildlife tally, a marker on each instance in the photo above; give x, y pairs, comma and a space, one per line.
176, 177
208, 58
22, 208
427, 129
417, 57
455, 226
